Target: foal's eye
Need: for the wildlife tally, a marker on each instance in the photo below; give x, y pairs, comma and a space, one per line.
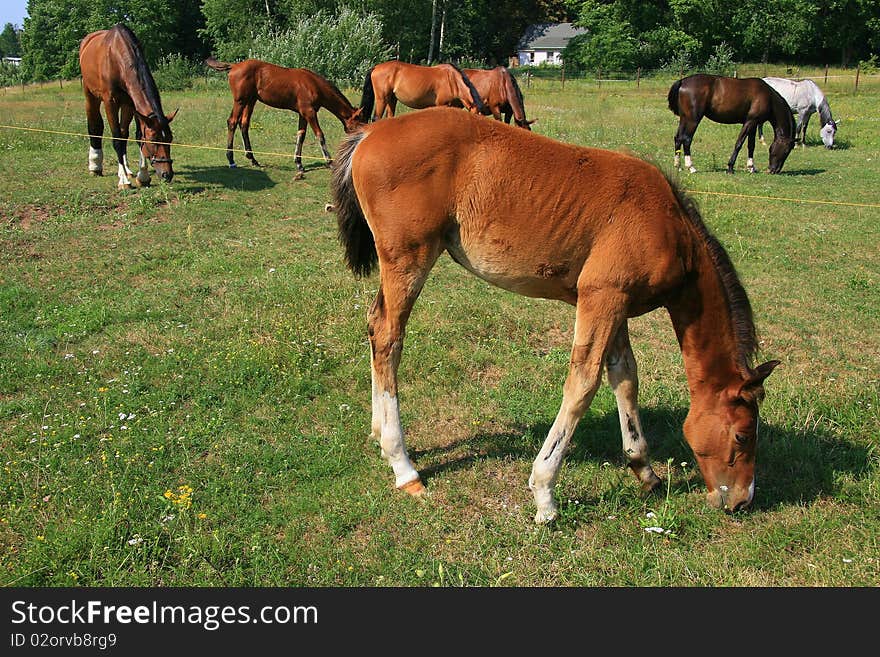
741, 440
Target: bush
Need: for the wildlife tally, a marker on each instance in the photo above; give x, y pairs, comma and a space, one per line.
721, 62
342, 48
175, 72
10, 75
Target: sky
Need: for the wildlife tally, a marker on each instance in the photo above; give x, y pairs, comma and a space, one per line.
12, 11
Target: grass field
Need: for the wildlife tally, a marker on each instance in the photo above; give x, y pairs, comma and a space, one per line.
184, 373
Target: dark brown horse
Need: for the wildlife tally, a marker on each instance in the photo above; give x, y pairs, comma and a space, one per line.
297, 89
417, 87
617, 240
749, 101
500, 94
115, 72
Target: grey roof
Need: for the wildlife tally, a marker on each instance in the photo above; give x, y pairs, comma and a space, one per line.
548, 36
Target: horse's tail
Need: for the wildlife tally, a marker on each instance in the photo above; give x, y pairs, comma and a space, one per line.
368, 97
475, 95
515, 98
216, 65
354, 232
672, 98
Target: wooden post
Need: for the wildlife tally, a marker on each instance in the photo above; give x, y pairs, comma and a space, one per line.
563, 74
528, 79
638, 77
826, 73
858, 69
599, 76
60, 83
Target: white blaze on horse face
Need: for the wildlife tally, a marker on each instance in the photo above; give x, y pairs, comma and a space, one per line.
827, 133
392, 442
96, 159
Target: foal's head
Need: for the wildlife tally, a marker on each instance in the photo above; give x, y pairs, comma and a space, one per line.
722, 430
157, 143
354, 121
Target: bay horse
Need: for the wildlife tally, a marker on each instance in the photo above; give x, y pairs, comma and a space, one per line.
409, 188
805, 98
417, 87
749, 101
115, 72
500, 94
297, 89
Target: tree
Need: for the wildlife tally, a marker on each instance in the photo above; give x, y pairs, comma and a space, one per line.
10, 45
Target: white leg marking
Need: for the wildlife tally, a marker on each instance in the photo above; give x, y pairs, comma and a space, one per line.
143, 176
123, 176
392, 442
750, 165
689, 164
96, 160
125, 164
677, 161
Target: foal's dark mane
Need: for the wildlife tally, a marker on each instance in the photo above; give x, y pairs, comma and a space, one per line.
145, 77
519, 95
475, 95
737, 301
341, 95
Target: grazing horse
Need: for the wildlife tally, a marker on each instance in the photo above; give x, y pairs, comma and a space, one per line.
617, 240
297, 89
805, 98
115, 72
417, 87
500, 94
749, 101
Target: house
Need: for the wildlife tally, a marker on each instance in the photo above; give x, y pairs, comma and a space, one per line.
15, 61
545, 42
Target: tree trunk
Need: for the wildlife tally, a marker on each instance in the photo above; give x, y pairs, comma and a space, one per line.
433, 28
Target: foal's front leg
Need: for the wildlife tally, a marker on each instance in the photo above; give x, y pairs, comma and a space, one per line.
624, 381
747, 127
592, 333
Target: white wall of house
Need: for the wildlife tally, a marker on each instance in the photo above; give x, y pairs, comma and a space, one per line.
535, 57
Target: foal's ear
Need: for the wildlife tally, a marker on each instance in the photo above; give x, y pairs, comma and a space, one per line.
751, 385
170, 117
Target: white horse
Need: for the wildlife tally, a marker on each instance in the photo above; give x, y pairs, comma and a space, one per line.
805, 98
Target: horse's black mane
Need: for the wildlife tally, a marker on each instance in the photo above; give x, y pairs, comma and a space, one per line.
519, 94
474, 93
781, 112
737, 300
143, 73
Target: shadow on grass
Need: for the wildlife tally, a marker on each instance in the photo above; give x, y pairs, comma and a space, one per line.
793, 466
803, 172
246, 178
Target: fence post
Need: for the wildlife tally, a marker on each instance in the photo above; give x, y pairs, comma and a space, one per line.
563, 74
638, 77
858, 69
528, 79
60, 83
826, 74
599, 76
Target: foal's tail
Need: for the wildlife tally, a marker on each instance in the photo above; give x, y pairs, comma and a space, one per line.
354, 232
672, 98
368, 97
216, 65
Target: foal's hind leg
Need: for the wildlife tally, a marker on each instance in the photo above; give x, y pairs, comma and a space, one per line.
624, 381
300, 138
400, 286
599, 314
96, 131
245, 124
231, 123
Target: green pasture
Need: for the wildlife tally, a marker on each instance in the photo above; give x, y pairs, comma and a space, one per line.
184, 372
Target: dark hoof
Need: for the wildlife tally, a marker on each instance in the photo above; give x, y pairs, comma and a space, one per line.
652, 486
96, 173
233, 165
730, 171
